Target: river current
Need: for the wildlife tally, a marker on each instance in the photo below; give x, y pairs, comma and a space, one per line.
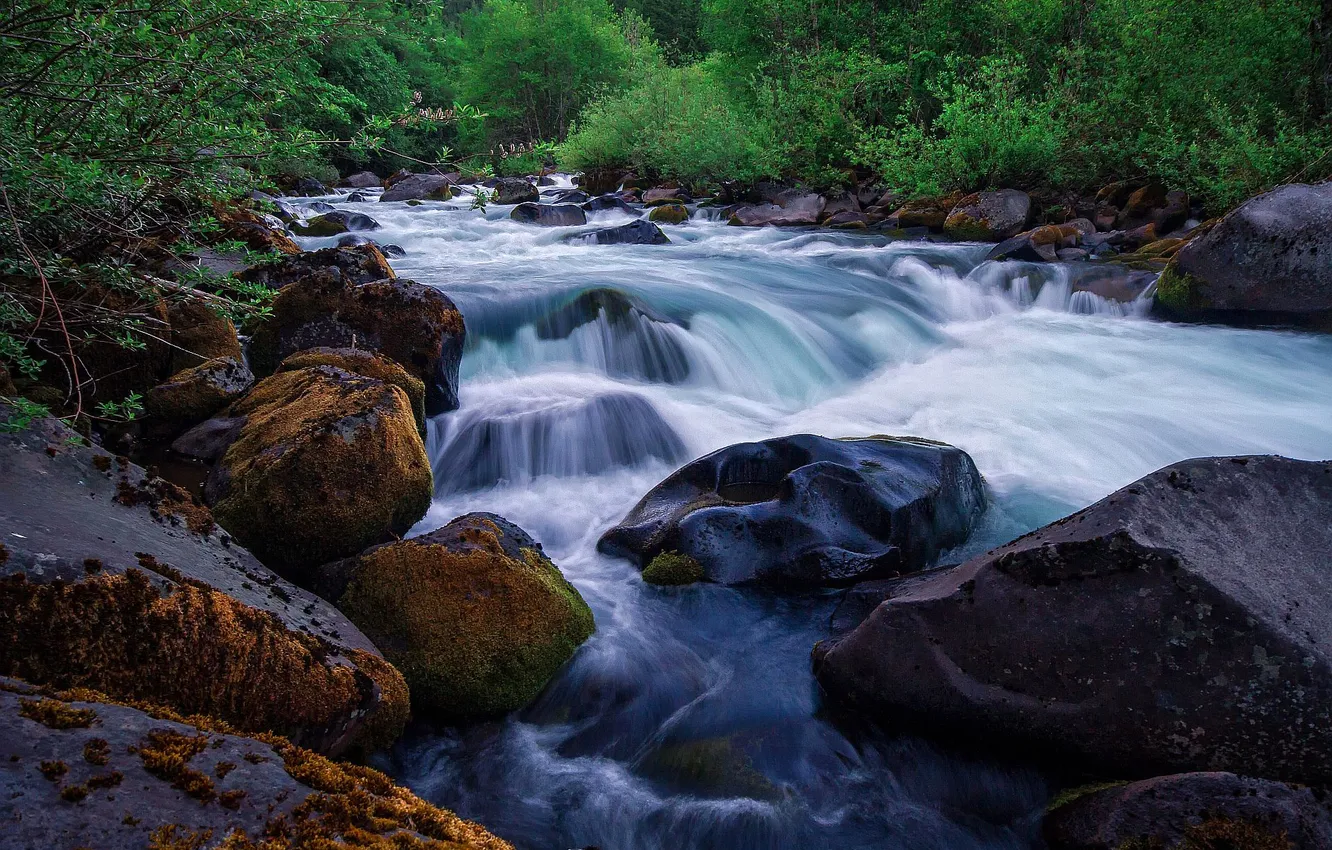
691, 718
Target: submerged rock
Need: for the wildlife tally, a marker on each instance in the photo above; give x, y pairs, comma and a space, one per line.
327, 463
608, 202
640, 232
807, 510
989, 216
416, 325
119, 582
474, 614
361, 263
79, 770
1179, 624
549, 215
1189, 810
1269, 260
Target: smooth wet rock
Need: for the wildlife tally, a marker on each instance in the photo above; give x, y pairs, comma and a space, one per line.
361, 180
115, 581
474, 614
807, 510
1180, 624
640, 232
333, 223
989, 216
327, 463
416, 325
194, 394
608, 202
361, 263
420, 187
1203, 810
570, 196
549, 215
794, 210
513, 190
77, 770
1267, 261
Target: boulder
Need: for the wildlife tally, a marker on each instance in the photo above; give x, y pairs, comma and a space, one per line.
608, 202
258, 231
570, 196
361, 263
79, 769
839, 204
513, 190
1173, 213
1035, 246
326, 463
1267, 261
194, 394
1180, 624
989, 216
420, 187
931, 212
361, 180
416, 325
807, 510
368, 363
306, 186
115, 581
1192, 810
549, 215
797, 210
333, 223
640, 232
669, 214
474, 614
846, 220
397, 177
198, 334
665, 195
600, 181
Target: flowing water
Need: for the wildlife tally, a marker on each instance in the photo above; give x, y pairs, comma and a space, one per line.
691, 718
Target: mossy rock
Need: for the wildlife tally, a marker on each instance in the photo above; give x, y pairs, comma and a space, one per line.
475, 616
194, 394
88, 770
1177, 292
672, 568
327, 463
361, 263
669, 213
199, 334
366, 363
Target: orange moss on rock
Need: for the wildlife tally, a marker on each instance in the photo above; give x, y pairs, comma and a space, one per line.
192, 395
195, 649
328, 463
55, 714
474, 615
200, 335
367, 363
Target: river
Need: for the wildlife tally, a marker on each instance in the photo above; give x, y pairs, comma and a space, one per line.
691, 718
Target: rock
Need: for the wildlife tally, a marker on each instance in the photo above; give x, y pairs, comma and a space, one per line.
925, 212
1071, 255
839, 204
665, 195
359, 198
198, 334
1112, 283
420, 187
361, 180
210, 439
1265, 262
1084, 227
637, 334
394, 251
570, 196
669, 214
194, 394
257, 232
1105, 218
474, 614
306, 186
367, 363
601, 181
317, 208
846, 221
989, 216
608, 202
416, 325
1173, 213
513, 190
122, 583
331, 224
1139, 236
397, 177
1118, 193
640, 232
549, 215
1202, 810
798, 210
1137, 209
807, 510
1180, 624
80, 770
362, 263
327, 463
1035, 246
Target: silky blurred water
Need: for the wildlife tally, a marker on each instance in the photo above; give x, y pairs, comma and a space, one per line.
690, 720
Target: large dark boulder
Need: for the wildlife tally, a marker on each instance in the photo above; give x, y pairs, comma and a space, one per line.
989, 216
806, 510
416, 325
791, 209
640, 232
200, 333
513, 190
192, 395
361, 263
333, 223
1268, 261
608, 202
1193, 810
361, 180
81, 770
120, 582
420, 187
474, 614
1180, 624
549, 215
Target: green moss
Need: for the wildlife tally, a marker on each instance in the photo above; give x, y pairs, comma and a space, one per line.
1179, 291
669, 213
1068, 795
714, 765
369, 364
672, 568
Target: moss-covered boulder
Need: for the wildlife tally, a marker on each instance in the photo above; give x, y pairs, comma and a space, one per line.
361, 263
672, 568
931, 212
333, 223
116, 581
199, 333
418, 187
416, 325
80, 769
989, 216
474, 614
367, 363
327, 463
192, 395
669, 213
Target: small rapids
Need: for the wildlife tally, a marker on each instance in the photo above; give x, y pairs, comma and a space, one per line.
691, 718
